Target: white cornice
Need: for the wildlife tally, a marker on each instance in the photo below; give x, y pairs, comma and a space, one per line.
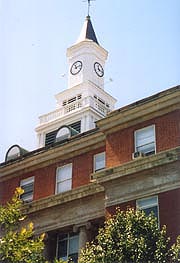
146, 109
86, 45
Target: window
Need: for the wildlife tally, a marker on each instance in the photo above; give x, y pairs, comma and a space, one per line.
145, 140
149, 205
51, 136
64, 178
13, 153
28, 186
99, 161
67, 247
63, 134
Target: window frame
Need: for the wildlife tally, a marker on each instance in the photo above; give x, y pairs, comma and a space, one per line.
149, 206
62, 181
24, 182
94, 161
141, 130
67, 237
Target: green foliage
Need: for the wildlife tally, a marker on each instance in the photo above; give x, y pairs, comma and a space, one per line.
175, 250
18, 244
130, 237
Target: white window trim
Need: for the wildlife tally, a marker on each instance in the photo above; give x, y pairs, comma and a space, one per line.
149, 206
94, 162
58, 168
28, 181
68, 240
144, 128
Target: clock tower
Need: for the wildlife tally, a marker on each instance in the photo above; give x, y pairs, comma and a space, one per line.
86, 58
85, 100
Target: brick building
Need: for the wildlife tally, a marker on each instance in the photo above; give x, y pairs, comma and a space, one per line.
92, 158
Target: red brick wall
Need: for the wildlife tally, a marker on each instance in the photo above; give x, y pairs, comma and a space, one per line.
120, 145
44, 182
83, 167
7, 189
169, 211
45, 178
168, 131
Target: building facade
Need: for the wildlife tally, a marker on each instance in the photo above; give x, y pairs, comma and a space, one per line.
92, 158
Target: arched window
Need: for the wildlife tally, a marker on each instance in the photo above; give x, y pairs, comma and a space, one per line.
14, 152
63, 134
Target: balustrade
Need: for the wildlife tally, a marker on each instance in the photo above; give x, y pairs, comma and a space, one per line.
88, 101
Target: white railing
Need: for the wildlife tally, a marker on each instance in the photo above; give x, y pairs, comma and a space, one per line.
88, 101
51, 116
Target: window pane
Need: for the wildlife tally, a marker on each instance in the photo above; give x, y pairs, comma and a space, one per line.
147, 202
145, 136
28, 188
73, 245
147, 148
149, 205
64, 186
64, 173
145, 140
151, 209
99, 161
63, 134
62, 249
27, 185
68, 245
27, 196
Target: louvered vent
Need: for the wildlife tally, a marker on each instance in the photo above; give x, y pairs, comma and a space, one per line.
50, 137
76, 126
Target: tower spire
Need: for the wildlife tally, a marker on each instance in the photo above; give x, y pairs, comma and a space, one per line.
87, 31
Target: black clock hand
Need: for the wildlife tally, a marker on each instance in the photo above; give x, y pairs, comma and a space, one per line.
77, 66
99, 68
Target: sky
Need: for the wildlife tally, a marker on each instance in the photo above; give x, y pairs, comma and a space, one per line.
141, 36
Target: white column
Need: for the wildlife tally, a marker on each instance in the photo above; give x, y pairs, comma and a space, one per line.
83, 233
83, 123
83, 237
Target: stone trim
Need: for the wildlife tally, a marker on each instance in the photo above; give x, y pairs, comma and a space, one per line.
137, 165
69, 196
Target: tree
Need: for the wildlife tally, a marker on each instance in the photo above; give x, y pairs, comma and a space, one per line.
131, 237
17, 243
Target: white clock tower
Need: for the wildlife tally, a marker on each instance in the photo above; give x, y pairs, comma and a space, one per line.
86, 58
84, 101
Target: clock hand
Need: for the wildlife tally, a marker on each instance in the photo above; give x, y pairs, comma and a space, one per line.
99, 68
77, 66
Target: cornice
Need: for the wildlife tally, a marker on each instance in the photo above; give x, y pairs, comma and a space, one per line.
85, 45
59, 199
140, 111
49, 155
137, 165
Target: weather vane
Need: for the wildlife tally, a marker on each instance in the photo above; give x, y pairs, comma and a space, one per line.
89, 4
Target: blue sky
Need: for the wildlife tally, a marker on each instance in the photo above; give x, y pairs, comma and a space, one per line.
142, 38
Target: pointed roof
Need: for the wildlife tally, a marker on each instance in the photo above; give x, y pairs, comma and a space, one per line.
87, 31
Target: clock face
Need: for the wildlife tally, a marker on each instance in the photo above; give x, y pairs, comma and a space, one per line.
98, 69
76, 67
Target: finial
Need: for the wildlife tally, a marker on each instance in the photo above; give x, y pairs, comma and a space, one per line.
89, 4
